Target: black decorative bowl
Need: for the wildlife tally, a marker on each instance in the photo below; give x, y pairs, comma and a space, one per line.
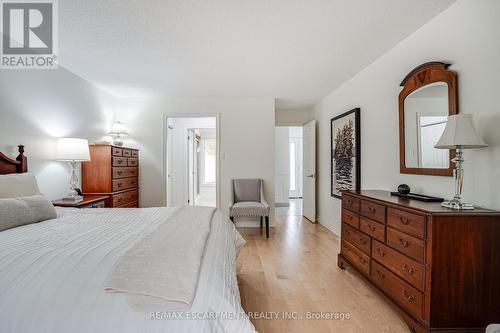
404, 189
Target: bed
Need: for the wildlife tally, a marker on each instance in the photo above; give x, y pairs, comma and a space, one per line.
52, 273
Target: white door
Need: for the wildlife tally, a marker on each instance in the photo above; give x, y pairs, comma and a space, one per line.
170, 147
191, 172
309, 174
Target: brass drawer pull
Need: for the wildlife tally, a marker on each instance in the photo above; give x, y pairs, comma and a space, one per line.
362, 260
408, 269
119, 184
372, 210
408, 297
119, 173
380, 252
119, 161
404, 221
380, 274
363, 241
372, 228
403, 243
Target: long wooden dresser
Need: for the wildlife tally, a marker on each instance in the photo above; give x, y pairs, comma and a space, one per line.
112, 171
439, 267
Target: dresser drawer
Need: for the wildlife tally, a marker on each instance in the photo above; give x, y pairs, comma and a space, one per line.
133, 204
356, 257
116, 151
357, 238
409, 223
350, 218
350, 203
373, 211
123, 198
409, 245
400, 291
123, 184
133, 162
135, 153
119, 161
372, 228
407, 268
125, 172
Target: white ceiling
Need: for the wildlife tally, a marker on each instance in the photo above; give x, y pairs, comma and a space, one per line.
295, 51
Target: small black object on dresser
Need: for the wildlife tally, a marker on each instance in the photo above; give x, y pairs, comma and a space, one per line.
404, 189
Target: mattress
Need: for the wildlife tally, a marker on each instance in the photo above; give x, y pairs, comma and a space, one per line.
52, 276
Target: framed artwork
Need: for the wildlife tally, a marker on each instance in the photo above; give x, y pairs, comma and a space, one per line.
345, 141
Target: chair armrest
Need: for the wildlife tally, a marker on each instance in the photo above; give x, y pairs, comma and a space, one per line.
262, 197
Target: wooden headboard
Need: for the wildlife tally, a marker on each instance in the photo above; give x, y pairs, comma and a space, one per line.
19, 165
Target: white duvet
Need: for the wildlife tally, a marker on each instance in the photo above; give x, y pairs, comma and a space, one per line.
52, 276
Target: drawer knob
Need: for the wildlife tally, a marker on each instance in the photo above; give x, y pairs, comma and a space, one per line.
362, 260
404, 221
372, 228
119, 173
380, 274
380, 252
403, 243
119, 184
408, 269
371, 209
349, 201
405, 294
347, 232
363, 241
120, 161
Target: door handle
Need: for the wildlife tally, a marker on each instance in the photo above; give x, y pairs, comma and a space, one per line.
310, 176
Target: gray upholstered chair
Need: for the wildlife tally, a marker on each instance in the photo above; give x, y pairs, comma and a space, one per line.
247, 200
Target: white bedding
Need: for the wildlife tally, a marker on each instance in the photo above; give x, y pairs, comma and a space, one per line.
52, 276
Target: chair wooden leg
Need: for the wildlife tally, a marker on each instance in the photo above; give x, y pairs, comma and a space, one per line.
267, 226
261, 220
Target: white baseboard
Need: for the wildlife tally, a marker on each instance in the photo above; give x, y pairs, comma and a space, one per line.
330, 225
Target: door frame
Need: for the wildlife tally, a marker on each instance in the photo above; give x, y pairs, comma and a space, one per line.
165, 144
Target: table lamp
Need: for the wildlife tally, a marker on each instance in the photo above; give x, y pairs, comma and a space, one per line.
73, 150
117, 131
459, 134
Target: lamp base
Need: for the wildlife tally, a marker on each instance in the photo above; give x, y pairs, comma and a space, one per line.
456, 204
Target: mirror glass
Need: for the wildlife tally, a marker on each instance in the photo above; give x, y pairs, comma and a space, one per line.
425, 115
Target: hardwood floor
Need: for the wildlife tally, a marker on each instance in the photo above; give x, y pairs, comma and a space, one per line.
295, 272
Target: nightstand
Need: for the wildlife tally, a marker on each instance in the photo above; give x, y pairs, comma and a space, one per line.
89, 201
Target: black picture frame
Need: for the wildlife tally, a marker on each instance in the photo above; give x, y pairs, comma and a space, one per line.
357, 150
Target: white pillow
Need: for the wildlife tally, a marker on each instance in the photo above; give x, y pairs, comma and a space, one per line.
18, 185
15, 212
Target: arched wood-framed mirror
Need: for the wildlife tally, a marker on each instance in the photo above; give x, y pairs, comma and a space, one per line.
429, 96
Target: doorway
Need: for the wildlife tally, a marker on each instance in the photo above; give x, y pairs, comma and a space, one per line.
289, 170
192, 161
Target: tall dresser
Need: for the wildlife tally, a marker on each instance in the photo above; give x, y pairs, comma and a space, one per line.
439, 268
112, 171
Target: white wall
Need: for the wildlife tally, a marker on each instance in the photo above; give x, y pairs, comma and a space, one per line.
38, 106
246, 140
468, 35
282, 165
293, 117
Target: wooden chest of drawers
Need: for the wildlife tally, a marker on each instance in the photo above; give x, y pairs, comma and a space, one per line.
439, 267
112, 171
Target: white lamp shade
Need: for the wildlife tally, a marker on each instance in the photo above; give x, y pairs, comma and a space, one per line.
460, 133
71, 149
118, 128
